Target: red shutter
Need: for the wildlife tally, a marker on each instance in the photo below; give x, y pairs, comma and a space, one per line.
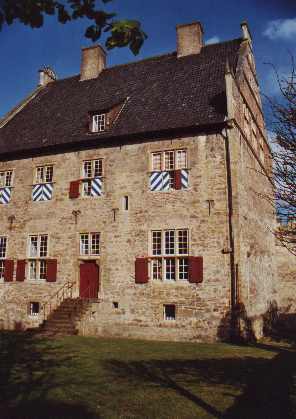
21, 270
141, 271
8, 270
74, 189
177, 179
51, 272
195, 269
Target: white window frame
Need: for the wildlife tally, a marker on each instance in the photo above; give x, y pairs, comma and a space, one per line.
98, 122
6, 178
163, 154
160, 262
3, 257
90, 247
37, 263
43, 180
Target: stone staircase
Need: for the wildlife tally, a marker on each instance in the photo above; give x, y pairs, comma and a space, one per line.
63, 320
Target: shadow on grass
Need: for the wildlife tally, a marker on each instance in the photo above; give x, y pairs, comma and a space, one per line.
266, 385
27, 375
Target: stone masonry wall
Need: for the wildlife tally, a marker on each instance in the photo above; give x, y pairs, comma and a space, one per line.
200, 309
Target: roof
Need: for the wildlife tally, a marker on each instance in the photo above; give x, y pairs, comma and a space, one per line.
160, 93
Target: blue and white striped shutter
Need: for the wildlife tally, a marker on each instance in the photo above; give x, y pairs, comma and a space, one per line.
184, 178
96, 187
159, 181
5, 195
42, 192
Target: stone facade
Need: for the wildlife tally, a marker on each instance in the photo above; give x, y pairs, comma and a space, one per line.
229, 226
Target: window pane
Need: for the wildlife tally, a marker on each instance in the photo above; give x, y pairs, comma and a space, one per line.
171, 179
183, 242
43, 266
95, 243
2, 179
156, 243
34, 309
87, 169
156, 268
95, 123
2, 269
183, 268
43, 246
101, 122
84, 244
33, 251
156, 161
170, 242
170, 269
87, 188
98, 168
3, 242
48, 174
33, 269
169, 160
181, 159
40, 175
8, 178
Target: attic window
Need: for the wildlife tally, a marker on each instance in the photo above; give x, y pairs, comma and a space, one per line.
98, 122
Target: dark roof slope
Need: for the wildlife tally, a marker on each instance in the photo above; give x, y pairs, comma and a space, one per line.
164, 93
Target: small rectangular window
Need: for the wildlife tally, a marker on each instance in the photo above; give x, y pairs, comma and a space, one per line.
156, 162
3, 245
37, 252
34, 308
170, 242
156, 243
99, 122
125, 203
169, 312
169, 160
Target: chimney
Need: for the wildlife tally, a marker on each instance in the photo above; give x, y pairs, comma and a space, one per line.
46, 76
189, 39
93, 62
246, 32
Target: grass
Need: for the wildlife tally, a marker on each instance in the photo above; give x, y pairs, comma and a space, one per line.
78, 377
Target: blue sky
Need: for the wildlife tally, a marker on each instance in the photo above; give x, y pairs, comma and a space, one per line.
24, 51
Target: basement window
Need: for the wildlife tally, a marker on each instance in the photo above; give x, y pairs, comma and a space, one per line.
115, 304
169, 312
34, 308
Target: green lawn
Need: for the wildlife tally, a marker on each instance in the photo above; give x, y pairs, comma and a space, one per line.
78, 377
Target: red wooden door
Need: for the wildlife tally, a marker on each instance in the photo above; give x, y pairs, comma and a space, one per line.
89, 280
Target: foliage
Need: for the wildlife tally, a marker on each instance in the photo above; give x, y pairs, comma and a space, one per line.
284, 158
122, 33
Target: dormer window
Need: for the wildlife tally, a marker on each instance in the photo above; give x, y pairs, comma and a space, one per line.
98, 122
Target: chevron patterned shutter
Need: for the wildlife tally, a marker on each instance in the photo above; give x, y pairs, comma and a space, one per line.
96, 187
184, 178
8, 270
74, 189
195, 269
141, 271
5, 194
177, 179
51, 271
21, 270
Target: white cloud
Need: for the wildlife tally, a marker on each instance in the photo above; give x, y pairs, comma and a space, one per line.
213, 40
281, 29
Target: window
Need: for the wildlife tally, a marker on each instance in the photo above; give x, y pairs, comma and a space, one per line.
6, 179
37, 252
164, 166
98, 122
170, 250
34, 308
44, 174
125, 203
169, 312
92, 172
90, 244
3, 247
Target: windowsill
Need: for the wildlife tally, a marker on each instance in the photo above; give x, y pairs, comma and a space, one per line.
170, 281
86, 257
35, 281
172, 190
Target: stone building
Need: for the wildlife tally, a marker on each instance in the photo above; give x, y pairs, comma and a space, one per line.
136, 188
